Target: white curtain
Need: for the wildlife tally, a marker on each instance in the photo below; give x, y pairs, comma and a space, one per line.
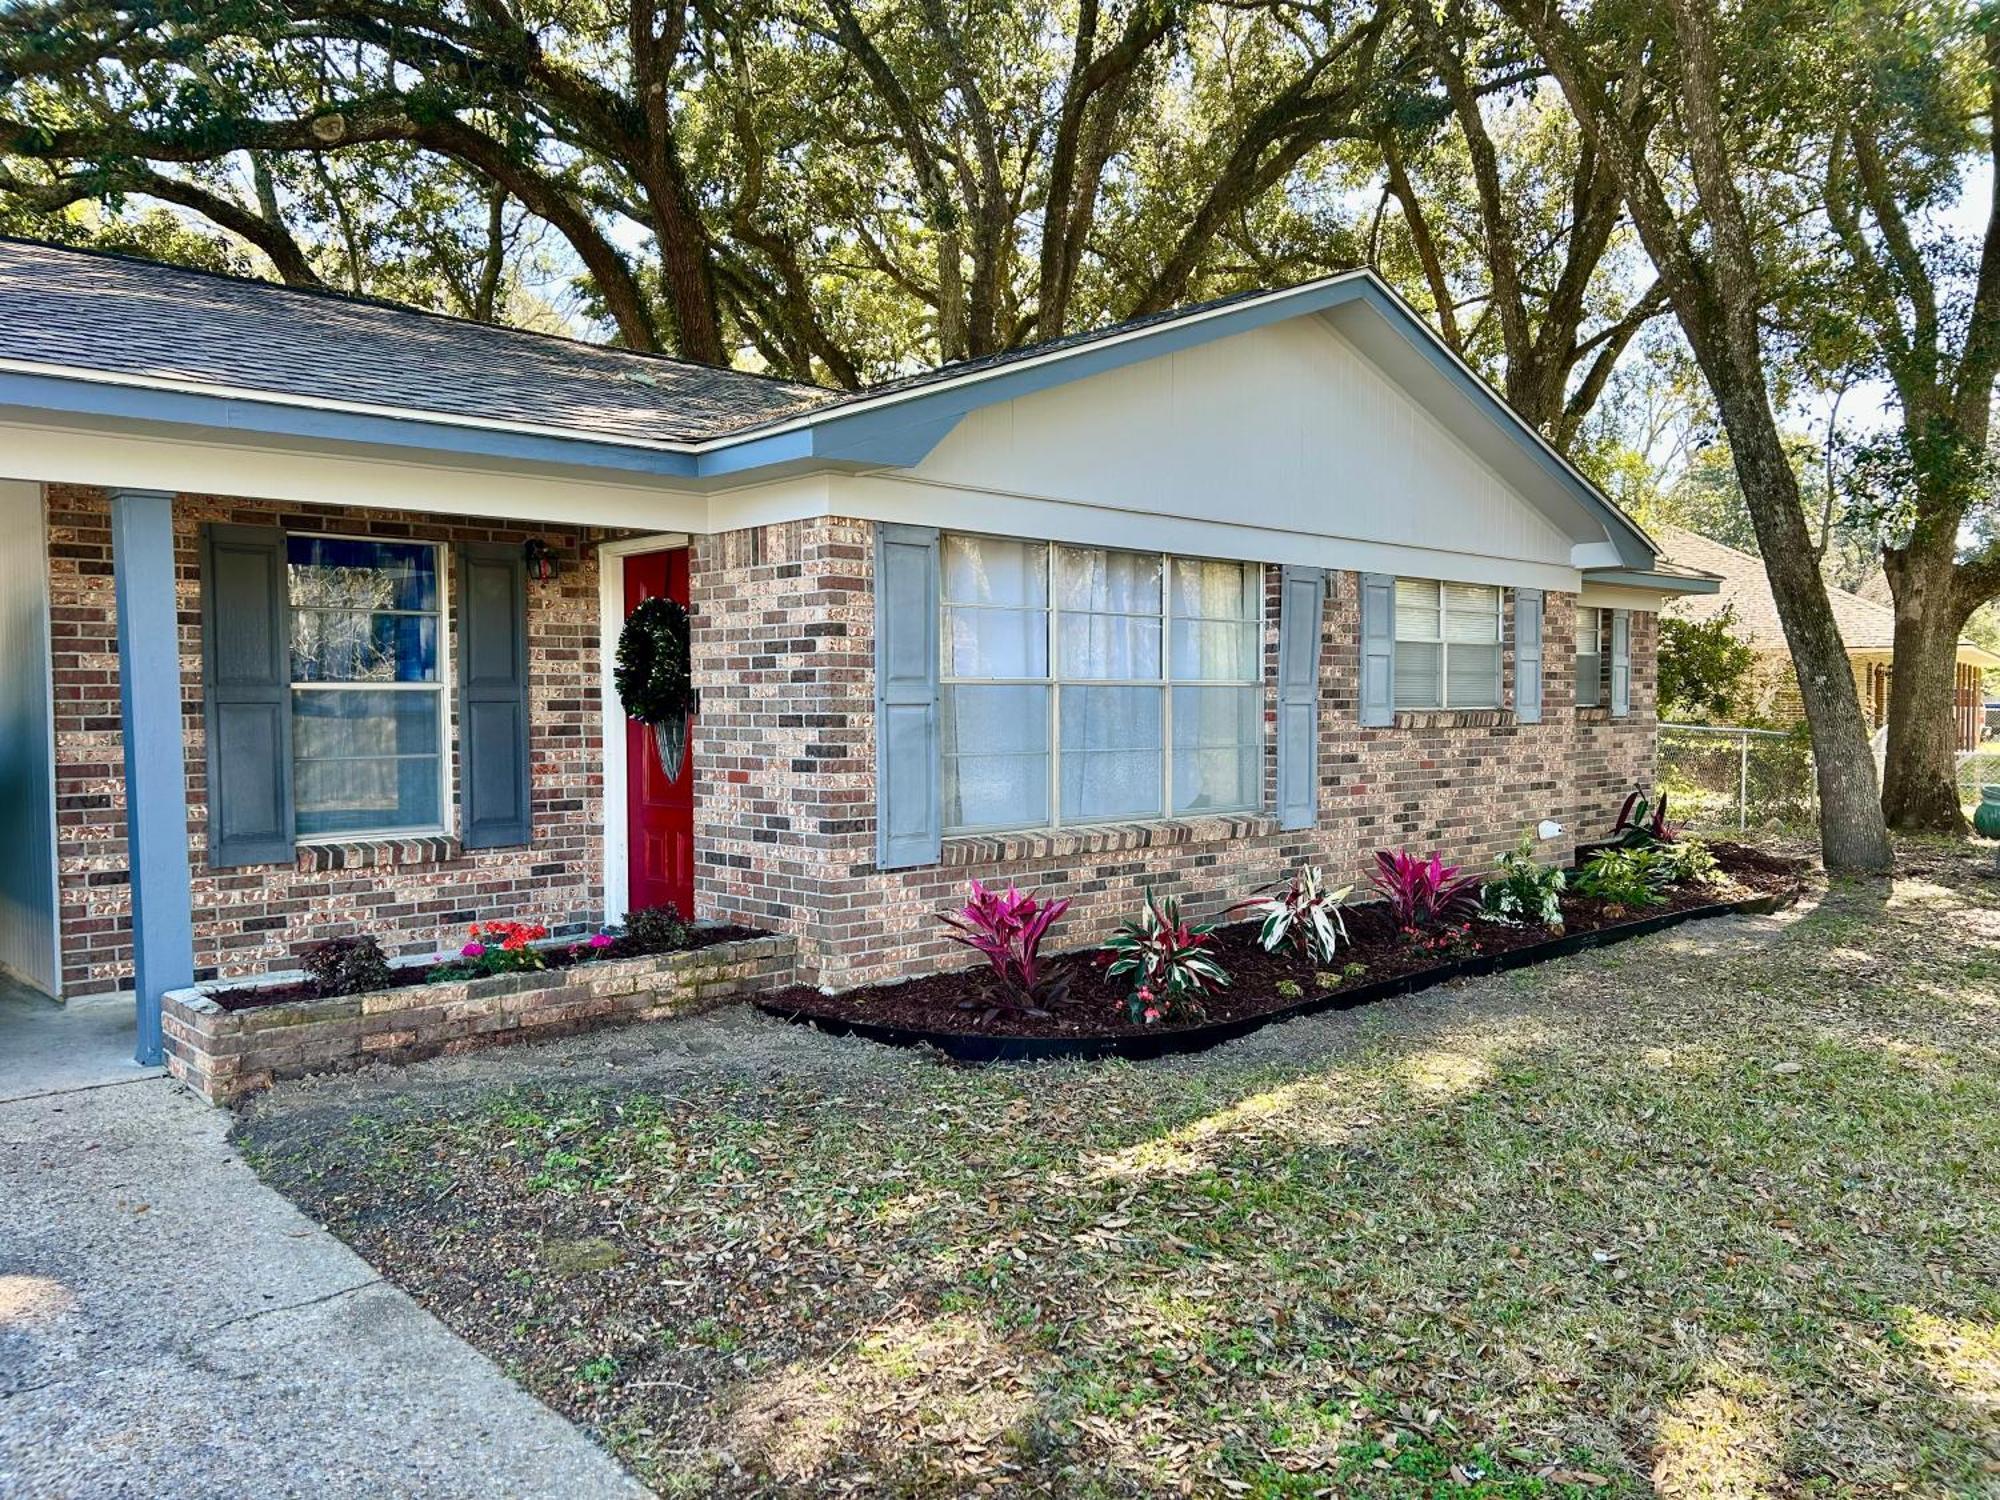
1108, 630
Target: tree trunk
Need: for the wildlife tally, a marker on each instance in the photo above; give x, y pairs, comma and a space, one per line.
1920, 770
1853, 838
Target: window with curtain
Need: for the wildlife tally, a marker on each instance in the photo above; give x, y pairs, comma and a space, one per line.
1447, 644
1084, 685
1589, 658
367, 695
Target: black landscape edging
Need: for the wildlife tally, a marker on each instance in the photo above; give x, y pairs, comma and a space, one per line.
1144, 1045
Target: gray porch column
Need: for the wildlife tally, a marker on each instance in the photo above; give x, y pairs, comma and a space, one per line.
149, 691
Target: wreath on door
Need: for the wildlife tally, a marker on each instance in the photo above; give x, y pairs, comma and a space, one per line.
654, 677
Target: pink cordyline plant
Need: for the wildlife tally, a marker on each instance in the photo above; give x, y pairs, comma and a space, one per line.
1424, 893
1007, 930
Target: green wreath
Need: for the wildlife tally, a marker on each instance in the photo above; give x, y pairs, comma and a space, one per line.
654, 678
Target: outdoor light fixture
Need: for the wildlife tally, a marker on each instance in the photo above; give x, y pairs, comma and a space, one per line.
541, 560
1548, 828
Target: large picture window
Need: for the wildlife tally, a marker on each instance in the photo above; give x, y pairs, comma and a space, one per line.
1447, 644
367, 694
1083, 685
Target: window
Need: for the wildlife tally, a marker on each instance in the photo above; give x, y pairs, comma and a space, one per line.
1589, 658
1447, 644
1082, 685
367, 695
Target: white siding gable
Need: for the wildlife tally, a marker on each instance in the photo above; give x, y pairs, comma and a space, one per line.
1287, 428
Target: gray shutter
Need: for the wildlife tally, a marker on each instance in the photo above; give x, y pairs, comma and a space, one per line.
1301, 608
493, 782
1378, 649
1621, 663
908, 813
246, 695
1528, 656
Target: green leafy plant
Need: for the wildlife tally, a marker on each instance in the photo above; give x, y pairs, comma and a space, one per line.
1703, 668
1524, 891
1290, 989
1691, 862
347, 966
655, 929
1165, 961
1626, 877
1300, 913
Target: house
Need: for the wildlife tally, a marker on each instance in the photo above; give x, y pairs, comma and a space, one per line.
308, 603
1867, 625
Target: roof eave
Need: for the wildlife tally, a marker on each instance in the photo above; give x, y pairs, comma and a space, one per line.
1653, 580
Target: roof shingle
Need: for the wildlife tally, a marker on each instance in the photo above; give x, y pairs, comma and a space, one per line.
121, 316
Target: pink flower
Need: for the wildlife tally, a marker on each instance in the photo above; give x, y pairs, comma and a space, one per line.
600, 940
1152, 1014
473, 950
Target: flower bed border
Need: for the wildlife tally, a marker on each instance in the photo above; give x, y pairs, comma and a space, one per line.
224, 1054
1144, 1046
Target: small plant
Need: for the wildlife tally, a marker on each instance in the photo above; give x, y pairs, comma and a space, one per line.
1007, 930
597, 945
1626, 877
1166, 962
495, 948
655, 929
1524, 891
1301, 913
1424, 893
1691, 862
347, 966
1642, 822
1290, 989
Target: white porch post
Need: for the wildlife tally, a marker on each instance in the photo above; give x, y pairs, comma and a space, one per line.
149, 690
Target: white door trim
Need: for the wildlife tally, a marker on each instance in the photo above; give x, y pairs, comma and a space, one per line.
610, 620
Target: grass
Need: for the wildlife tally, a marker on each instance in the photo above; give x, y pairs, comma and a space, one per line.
1715, 1213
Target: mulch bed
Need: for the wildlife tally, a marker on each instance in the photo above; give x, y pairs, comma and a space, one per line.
1095, 1006
407, 976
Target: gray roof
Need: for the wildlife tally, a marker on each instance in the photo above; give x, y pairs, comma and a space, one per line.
119, 316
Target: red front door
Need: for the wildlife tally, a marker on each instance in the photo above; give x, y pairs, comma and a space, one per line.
659, 814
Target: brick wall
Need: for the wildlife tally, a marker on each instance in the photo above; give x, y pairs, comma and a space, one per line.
223, 1054
413, 894
785, 746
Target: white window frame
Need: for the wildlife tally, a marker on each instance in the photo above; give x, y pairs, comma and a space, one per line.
1444, 646
442, 687
1601, 692
1054, 682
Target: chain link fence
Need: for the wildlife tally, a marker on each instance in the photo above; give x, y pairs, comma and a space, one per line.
1976, 769
1722, 777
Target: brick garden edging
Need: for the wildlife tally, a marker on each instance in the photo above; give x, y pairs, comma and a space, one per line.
223, 1054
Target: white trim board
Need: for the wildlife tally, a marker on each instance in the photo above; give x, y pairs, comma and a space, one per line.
610, 620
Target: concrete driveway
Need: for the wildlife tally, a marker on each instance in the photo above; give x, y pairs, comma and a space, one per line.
171, 1327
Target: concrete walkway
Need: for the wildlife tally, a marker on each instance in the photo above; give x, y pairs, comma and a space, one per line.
171, 1327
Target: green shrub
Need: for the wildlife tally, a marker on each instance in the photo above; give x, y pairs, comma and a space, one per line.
1690, 862
656, 929
347, 966
1626, 877
1524, 891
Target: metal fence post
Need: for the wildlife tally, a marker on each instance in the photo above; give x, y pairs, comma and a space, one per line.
1743, 783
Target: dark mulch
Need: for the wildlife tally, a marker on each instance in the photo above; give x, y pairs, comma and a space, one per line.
407, 976
1095, 1006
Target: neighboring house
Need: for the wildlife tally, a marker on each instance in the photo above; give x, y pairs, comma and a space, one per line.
1867, 626
1179, 603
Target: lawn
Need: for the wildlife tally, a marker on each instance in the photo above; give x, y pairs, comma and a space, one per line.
1715, 1212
